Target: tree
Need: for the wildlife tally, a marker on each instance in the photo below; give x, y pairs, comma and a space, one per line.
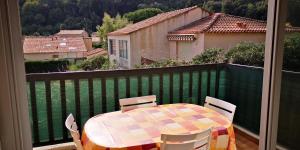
247, 53
142, 14
109, 25
210, 56
106, 27
293, 12
58, 13
214, 6
94, 63
291, 60
119, 22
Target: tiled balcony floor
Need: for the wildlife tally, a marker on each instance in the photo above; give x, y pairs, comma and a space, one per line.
244, 142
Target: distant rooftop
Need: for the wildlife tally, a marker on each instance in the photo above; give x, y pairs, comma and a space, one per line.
72, 33
224, 23
97, 52
151, 21
52, 44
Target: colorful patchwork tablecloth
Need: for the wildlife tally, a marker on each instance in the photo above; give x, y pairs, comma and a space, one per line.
140, 129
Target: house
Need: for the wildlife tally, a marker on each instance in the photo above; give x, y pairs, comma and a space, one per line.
216, 31
77, 33
66, 44
96, 52
72, 33
148, 38
19, 98
182, 34
38, 48
95, 38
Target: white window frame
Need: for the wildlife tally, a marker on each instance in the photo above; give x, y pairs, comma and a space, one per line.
15, 132
123, 49
15, 127
277, 10
112, 45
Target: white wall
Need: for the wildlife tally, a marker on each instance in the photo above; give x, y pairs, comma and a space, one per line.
187, 50
152, 42
120, 61
50, 56
229, 40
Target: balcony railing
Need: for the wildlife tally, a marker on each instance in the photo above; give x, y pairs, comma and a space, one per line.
52, 96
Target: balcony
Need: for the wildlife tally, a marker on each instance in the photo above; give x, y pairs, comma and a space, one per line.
52, 96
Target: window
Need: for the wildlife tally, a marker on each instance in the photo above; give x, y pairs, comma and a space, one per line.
55, 56
112, 46
123, 49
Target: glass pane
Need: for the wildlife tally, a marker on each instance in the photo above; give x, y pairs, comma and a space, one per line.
289, 112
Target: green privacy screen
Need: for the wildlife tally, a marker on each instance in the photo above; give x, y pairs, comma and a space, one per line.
240, 85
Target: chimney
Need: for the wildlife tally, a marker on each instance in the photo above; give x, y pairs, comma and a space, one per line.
241, 25
88, 43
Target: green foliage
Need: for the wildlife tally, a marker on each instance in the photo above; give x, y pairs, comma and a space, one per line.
109, 66
119, 22
97, 45
211, 5
142, 14
78, 14
73, 67
110, 24
94, 63
293, 12
246, 53
291, 59
164, 63
256, 9
210, 56
97, 63
46, 66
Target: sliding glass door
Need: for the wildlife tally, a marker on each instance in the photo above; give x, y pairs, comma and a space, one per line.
280, 113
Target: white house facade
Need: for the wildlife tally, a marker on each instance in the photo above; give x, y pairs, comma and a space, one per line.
181, 35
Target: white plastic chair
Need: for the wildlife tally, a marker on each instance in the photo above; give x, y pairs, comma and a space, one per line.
137, 102
196, 141
72, 127
222, 107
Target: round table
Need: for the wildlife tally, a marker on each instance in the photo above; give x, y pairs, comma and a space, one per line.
140, 129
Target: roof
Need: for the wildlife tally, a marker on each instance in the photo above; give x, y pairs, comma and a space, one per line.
151, 21
71, 32
96, 52
219, 22
224, 23
94, 34
52, 44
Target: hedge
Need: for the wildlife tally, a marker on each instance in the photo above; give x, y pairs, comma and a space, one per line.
46, 66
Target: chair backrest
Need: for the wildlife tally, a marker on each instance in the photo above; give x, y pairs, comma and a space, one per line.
194, 141
220, 106
72, 127
137, 102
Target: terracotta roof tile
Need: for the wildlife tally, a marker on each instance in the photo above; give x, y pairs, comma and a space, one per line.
70, 32
151, 21
65, 33
97, 52
223, 23
51, 44
219, 22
